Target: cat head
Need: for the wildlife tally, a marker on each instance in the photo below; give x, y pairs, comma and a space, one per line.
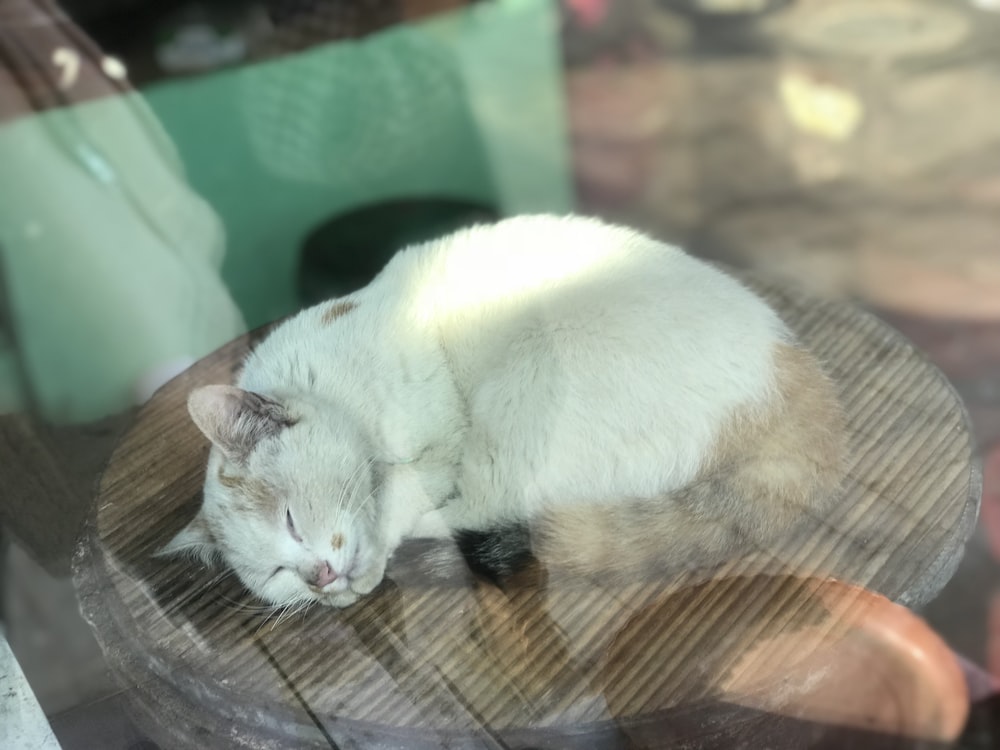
290, 498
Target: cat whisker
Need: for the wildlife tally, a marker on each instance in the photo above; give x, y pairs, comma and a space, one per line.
245, 607
265, 619
303, 608
280, 617
178, 603
249, 617
223, 577
290, 610
354, 480
350, 514
353, 496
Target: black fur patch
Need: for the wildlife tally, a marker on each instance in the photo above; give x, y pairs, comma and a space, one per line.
497, 552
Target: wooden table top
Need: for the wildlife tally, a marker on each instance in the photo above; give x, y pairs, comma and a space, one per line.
540, 663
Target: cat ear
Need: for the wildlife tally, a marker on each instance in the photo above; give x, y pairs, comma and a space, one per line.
195, 539
236, 420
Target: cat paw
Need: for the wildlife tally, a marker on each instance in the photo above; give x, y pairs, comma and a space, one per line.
368, 573
367, 582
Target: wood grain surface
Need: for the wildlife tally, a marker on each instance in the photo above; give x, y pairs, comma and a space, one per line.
712, 659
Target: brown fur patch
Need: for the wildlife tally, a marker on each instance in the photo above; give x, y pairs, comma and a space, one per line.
772, 467
256, 494
338, 541
336, 310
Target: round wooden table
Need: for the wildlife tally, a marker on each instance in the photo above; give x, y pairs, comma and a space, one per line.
776, 650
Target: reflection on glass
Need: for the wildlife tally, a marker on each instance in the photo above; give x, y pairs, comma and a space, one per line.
280, 153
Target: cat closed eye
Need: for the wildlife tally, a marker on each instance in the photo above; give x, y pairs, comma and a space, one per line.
291, 526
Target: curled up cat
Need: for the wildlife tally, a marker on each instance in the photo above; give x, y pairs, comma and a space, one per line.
608, 400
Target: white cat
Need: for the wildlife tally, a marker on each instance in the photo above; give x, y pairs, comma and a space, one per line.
635, 407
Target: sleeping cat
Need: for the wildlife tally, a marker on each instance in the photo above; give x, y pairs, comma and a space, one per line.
634, 408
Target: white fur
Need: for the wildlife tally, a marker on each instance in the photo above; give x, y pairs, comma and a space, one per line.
540, 361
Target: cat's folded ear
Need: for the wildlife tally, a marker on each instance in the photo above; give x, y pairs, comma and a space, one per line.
236, 420
195, 540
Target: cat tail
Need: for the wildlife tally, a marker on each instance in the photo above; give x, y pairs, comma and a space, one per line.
638, 539
773, 471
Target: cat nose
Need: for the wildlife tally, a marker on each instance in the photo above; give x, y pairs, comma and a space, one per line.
322, 575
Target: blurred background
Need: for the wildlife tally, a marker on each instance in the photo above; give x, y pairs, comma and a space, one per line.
174, 173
